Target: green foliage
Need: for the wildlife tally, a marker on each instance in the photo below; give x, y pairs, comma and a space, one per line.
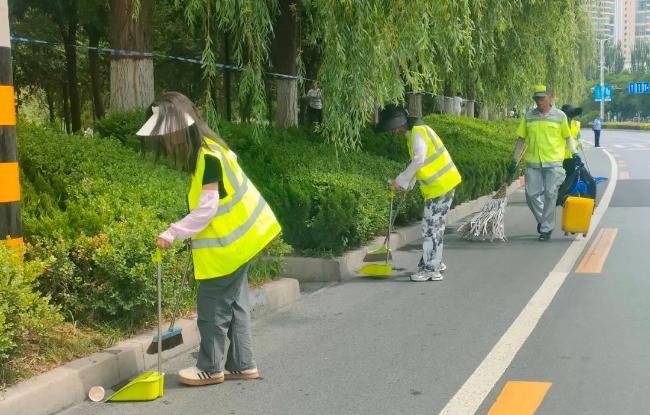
95, 208
26, 316
121, 125
328, 202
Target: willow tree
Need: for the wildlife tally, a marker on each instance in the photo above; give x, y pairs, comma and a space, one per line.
372, 51
250, 22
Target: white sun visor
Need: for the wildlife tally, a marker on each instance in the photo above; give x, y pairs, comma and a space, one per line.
148, 126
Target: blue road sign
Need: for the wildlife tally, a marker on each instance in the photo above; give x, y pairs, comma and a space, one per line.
638, 88
598, 95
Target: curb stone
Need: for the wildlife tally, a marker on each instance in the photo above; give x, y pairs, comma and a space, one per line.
68, 385
337, 269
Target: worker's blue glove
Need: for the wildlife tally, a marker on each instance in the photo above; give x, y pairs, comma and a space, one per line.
512, 168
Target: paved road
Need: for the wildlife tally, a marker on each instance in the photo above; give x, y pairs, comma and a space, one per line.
389, 346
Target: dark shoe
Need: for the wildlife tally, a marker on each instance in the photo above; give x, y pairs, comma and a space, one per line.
544, 236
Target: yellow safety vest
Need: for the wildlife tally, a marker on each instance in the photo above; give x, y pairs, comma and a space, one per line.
545, 137
439, 174
575, 135
244, 223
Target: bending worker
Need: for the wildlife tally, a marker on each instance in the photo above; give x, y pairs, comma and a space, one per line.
432, 167
229, 223
544, 132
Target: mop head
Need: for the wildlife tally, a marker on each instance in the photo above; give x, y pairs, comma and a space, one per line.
488, 224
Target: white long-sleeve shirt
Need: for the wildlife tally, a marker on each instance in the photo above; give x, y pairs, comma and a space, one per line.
406, 179
195, 221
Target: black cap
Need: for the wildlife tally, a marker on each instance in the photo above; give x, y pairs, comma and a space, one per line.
391, 118
571, 111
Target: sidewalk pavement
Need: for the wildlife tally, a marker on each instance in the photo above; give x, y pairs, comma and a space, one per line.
69, 384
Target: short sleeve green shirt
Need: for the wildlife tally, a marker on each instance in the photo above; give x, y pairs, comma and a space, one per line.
545, 136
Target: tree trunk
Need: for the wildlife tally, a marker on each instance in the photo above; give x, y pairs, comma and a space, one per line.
226, 77
469, 109
50, 104
415, 105
71, 67
93, 68
287, 110
132, 82
285, 50
66, 108
485, 112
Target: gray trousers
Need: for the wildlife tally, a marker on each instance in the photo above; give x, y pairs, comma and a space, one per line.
542, 185
434, 221
223, 310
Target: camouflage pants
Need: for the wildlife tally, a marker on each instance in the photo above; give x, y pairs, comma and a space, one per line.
433, 230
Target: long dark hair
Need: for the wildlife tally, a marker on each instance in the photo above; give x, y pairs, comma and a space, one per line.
181, 146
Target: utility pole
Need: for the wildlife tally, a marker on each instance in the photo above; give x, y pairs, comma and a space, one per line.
602, 77
10, 225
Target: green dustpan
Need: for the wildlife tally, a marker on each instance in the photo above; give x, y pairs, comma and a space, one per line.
149, 385
146, 387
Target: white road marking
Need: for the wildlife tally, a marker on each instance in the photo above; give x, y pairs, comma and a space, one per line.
470, 396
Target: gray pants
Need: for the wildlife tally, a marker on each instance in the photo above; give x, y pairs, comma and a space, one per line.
433, 230
223, 310
542, 185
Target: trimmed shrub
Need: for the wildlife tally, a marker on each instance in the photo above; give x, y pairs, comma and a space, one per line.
26, 316
329, 201
122, 126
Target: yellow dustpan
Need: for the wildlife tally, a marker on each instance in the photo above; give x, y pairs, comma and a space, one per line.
149, 385
376, 270
385, 269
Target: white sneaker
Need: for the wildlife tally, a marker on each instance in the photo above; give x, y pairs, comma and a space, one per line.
425, 275
244, 375
196, 377
443, 267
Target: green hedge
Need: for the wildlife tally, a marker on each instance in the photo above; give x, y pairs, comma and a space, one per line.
626, 125
329, 201
122, 126
95, 208
26, 317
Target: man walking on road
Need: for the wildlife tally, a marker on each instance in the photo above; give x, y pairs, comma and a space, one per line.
432, 167
597, 127
544, 133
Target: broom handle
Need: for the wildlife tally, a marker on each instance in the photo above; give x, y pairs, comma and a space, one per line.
390, 219
181, 286
159, 272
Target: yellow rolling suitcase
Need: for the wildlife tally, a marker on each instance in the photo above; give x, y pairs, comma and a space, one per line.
576, 216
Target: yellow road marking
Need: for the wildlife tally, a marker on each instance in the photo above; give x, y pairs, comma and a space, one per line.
624, 175
520, 398
594, 259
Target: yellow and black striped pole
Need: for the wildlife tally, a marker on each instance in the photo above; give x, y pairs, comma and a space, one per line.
10, 225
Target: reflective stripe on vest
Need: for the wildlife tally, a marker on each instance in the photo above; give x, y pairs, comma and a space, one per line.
575, 135
244, 223
435, 178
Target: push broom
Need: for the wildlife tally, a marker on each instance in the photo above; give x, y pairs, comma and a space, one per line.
173, 336
489, 222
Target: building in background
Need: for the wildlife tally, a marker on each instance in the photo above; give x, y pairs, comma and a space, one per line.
625, 22
604, 17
